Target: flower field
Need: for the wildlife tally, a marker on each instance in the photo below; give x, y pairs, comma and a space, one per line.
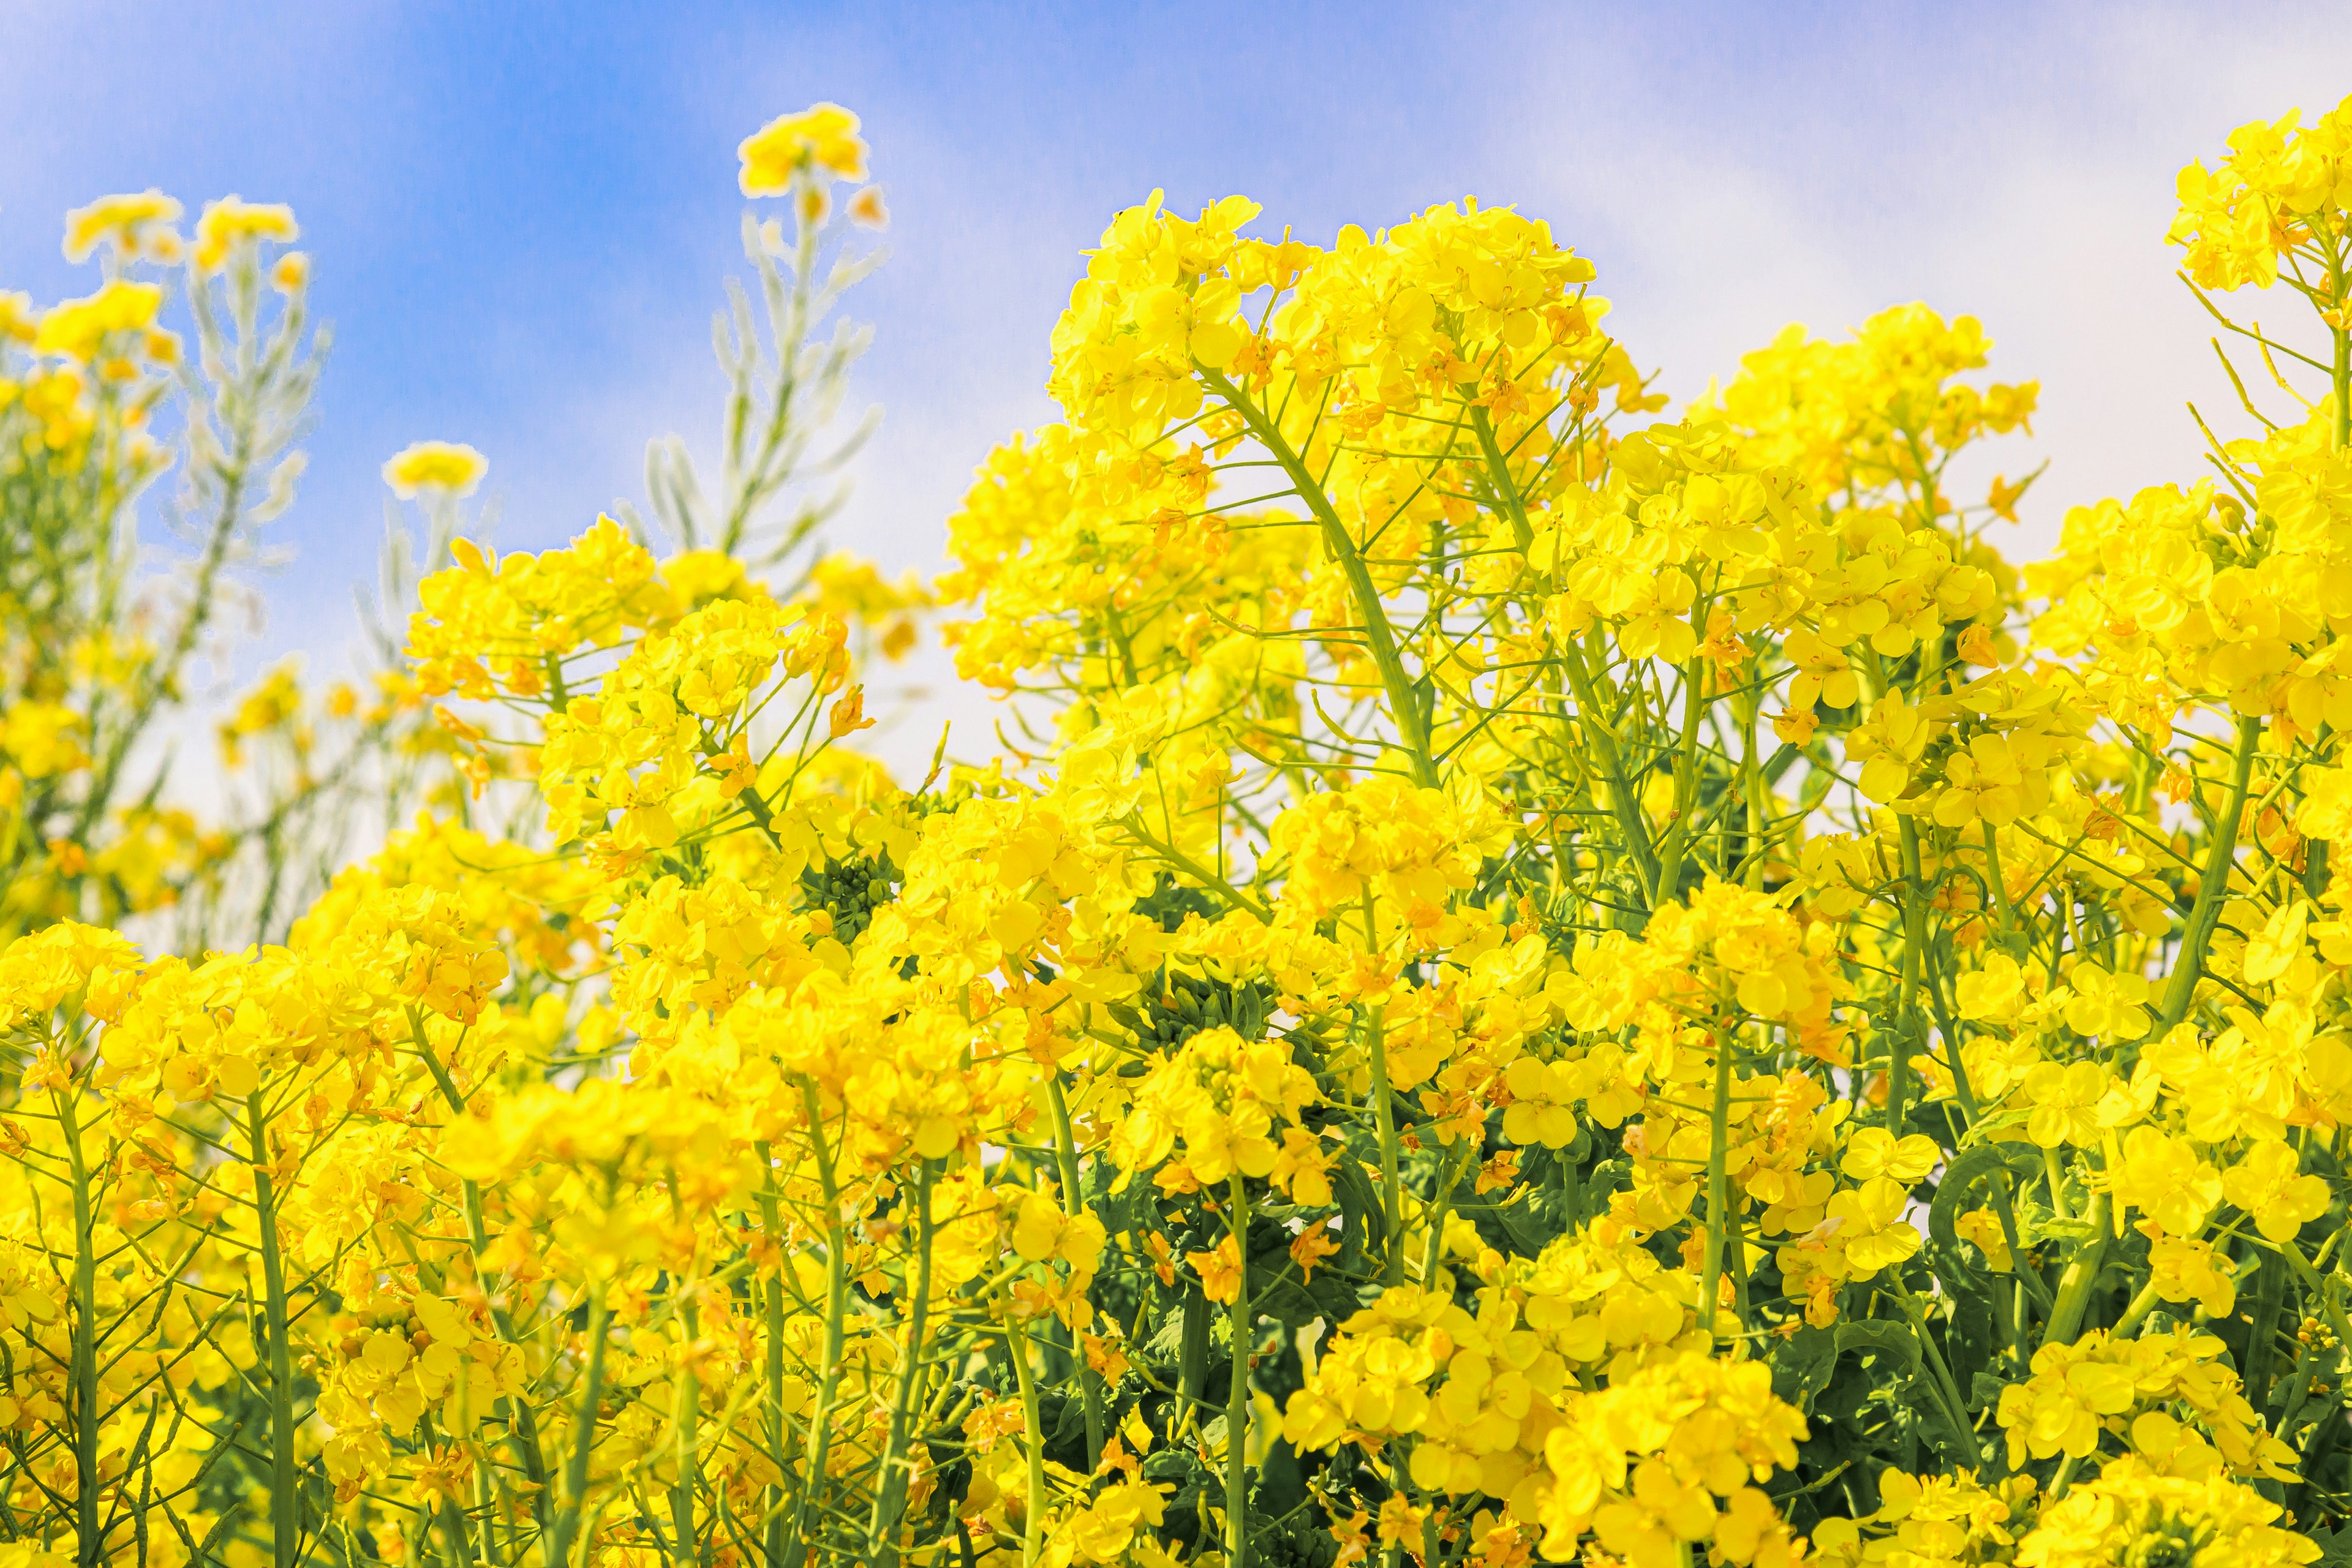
1536, 978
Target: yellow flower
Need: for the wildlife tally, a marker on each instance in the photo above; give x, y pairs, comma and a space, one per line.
79, 329
823, 138
2065, 1103
1220, 1269
2129, 1515
232, 221
439, 467
2265, 1185
122, 219
1874, 1152
2185, 1269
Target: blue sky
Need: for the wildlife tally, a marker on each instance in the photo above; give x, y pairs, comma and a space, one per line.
521, 215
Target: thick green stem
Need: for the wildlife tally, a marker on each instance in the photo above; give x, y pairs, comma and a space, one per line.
2081, 1273
2136, 1313
1065, 1155
1718, 1195
285, 1500
1238, 1409
1668, 878
2261, 1335
836, 1307
82, 1374
2341, 436
1915, 945
771, 1226
1384, 1120
2213, 881
568, 1509
890, 1497
686, 1416
1751, 773
1033, 1525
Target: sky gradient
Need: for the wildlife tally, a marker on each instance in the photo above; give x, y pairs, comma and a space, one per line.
520, 225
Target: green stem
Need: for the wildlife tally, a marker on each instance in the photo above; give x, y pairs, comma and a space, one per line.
686, 1542
2212, 882
1718, 1195
1384, 1120
82, 1376
583, 1435
836, 1307
1751, 771
773, 1312
523, 1419
1032, 1526
1915, 946
889, 1500
2081, 1273
2136, 1313
285, 1501
1625, 804
1238, 1410
1066, 1154
1667, 886
2261, 1335
1412, 726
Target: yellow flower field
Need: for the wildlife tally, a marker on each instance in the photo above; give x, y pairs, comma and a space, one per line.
1539, 979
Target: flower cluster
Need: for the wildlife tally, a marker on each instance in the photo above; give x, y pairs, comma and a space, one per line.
1534, 982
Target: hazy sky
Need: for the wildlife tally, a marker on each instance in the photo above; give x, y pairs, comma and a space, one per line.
520, 217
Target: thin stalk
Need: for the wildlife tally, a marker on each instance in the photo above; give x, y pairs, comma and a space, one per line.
523, 1419
1751, 771
2136, 1313
1625, 804
1380, 639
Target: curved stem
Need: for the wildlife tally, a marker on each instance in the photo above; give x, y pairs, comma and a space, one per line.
1412, 724
2213, 881
1032, 1525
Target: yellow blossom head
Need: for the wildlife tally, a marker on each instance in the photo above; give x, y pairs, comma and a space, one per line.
78, 328
445, 468
823, 138
232, 220
124, 219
